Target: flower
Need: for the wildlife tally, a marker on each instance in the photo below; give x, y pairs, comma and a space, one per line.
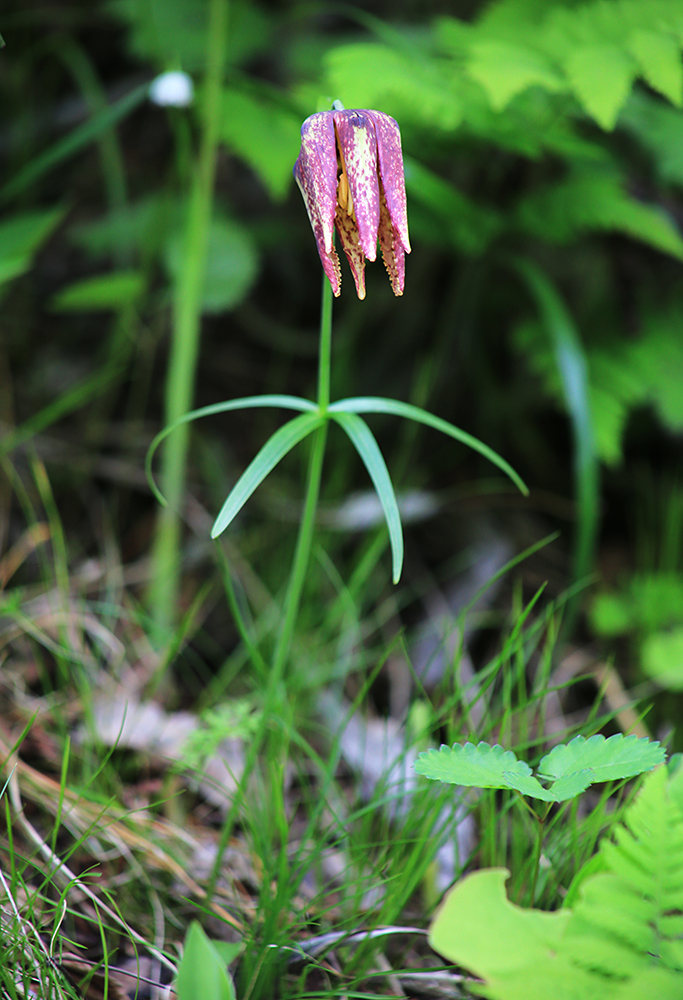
172, 89
350, 172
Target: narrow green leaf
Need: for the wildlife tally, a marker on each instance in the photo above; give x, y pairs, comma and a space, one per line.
244, 403
104, 291
202, 972
12, 267
365, 444
74, 141
609, 759
573, 371
379, 404
282, 442
480, 766
22, 234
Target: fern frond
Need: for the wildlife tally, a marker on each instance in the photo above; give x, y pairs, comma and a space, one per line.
619, 941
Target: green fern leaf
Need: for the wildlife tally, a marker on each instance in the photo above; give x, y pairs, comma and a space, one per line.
368, 75
505, 70
608, 759
601, 77
480, 766
659, 60
596, 200
620, 940
639, 903
659, 129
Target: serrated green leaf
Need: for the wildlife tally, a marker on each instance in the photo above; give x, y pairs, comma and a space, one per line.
565, 788
659, 59
601, 77
528, 785
104, 291
609, 759
504, 70
365, 444
481, 766
202, 972
662, 658
273, 451
265, 134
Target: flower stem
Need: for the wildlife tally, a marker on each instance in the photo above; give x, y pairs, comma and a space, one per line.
304, 542
187, 308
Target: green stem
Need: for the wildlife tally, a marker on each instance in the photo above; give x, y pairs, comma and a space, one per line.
295, 586
325, 350
307, 527
187, 305
537, 859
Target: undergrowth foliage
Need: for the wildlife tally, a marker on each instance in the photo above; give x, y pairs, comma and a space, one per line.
544, 171
618, 936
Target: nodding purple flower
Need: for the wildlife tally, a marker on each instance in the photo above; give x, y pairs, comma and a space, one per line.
350, 172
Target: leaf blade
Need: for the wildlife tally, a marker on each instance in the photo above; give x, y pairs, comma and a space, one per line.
282, 442
380, 404
480, 766
609, 759
365, 444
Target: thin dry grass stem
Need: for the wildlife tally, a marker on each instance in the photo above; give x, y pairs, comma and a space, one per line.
62, 873
89, 820
25, 545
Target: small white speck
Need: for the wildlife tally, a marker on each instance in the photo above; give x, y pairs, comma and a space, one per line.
173, 89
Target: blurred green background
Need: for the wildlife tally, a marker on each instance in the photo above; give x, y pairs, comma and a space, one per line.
542, 309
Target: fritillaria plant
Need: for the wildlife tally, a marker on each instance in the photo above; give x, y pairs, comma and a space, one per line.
350, 172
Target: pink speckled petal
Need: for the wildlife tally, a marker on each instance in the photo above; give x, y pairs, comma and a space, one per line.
390, 159
315, 171
357, 141
348, 235
392, 249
